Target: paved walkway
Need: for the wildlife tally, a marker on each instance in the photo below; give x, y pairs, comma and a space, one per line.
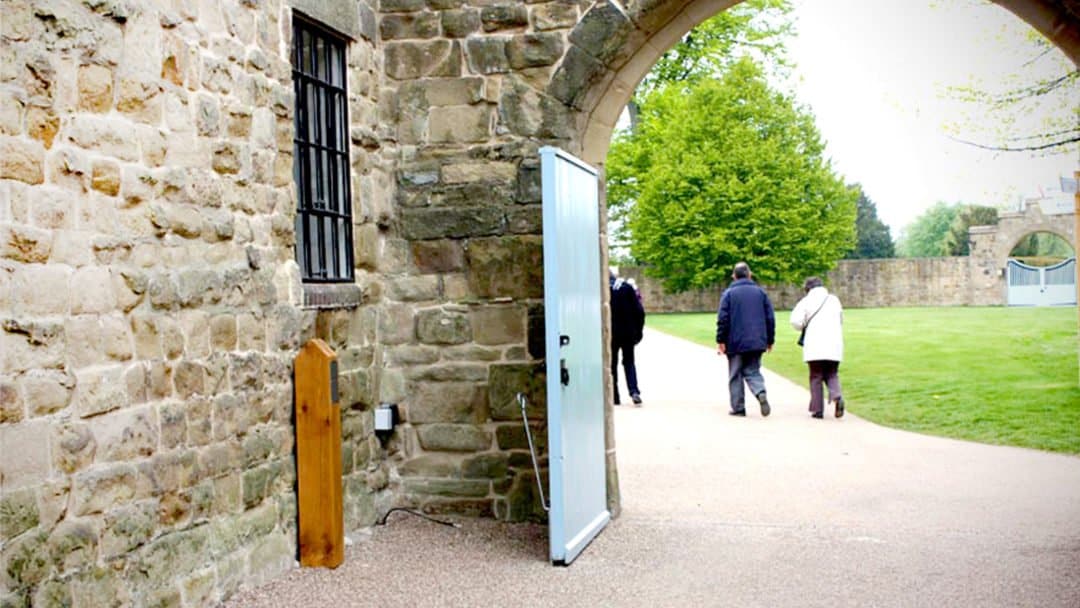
723, 511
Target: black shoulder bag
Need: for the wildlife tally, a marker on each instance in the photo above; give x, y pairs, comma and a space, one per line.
802, 336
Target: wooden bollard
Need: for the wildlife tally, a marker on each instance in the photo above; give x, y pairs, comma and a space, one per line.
318, 456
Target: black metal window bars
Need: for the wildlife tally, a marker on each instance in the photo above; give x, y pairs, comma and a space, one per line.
321, 162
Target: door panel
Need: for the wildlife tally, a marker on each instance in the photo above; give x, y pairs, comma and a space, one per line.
575, 397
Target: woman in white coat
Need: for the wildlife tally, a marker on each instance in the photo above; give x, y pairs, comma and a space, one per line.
820, 314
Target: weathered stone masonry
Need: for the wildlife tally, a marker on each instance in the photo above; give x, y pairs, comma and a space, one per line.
151, 305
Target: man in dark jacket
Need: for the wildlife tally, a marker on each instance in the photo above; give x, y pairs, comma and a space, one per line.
627, 324
745, 330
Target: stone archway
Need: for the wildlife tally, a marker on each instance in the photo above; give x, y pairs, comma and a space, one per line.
991, 246
612, 48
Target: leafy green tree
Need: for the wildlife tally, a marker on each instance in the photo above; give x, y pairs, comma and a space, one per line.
956, 239
1042, 245
872, 237
755, 28
726, 170
925, 237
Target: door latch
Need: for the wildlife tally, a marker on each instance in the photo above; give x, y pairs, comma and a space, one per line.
564, 374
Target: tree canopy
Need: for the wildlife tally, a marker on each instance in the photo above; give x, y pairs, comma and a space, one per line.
728, 169
957, 241
942, 230
872, 237
754, 28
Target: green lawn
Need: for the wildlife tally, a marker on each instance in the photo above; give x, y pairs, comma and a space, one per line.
995, 375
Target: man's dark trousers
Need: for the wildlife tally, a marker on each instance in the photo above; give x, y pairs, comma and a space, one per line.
628, 368
744, 367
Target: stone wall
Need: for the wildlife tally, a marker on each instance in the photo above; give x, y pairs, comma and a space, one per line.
860, 284
150, 303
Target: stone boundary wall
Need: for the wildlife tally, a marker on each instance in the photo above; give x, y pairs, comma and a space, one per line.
859, 284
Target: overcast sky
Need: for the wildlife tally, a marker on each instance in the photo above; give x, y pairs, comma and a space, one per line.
874, 71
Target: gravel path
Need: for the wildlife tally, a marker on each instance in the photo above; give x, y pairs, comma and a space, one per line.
722, 511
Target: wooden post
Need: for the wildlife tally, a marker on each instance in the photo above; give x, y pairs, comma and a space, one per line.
318, 456
1076, 254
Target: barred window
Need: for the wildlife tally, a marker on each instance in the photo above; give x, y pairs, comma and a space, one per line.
321, 162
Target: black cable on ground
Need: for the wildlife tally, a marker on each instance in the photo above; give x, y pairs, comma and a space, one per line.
382, 522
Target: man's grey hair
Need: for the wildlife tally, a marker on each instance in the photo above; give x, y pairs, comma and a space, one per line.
742, 271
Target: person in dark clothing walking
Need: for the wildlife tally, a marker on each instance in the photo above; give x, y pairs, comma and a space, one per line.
627, 325
745, 330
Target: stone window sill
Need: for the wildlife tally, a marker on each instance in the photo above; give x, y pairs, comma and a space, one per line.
324, 296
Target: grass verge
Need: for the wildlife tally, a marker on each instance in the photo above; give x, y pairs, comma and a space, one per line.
995, 375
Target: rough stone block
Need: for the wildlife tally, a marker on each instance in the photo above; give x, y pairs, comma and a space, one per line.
47, 391
100, 586
95, 89
534, 50
72, 545
457, 402
460, 124
506, 381
42, 125
25, 244
575, 77
485, 466
491, 171
109, 136
11, 402
506, 267
189, 378
411, 25
223, 332
18, 513
25, 460
469, 488
499, 325
52, 593
103, 488
413, 289
22, 160
73, 447
25, 560
453, 437
411, 60
99, 390
438, 256
432, 465
258, 483
396, 324
11, 114
504, 16
171, 555
105, 177
458, 222
91, 291
554, 16
460, 23
487, 55
126, 435
442, 326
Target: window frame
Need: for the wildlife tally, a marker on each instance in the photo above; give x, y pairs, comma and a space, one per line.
321, 161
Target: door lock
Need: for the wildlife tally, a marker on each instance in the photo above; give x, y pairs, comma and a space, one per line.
564, 374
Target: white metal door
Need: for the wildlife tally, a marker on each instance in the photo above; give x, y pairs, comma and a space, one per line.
1042, 286
575, 397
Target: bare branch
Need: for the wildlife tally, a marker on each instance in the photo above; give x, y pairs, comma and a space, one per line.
1047, 146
